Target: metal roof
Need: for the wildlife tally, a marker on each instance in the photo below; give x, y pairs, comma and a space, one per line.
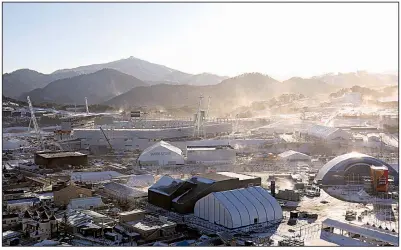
49, 155
323, 131
123, 190
362, 231
166, 185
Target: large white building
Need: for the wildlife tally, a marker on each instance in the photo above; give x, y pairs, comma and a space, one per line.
239, 207
138, 138
211, 154
160, 154
328, 133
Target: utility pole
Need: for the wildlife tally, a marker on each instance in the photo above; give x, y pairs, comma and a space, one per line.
86, 104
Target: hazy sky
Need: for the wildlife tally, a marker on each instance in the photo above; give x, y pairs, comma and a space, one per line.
281, 40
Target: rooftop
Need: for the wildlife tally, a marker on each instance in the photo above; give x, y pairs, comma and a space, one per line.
135, 211
378, 167
216, 176
150, 223
235, 175
49, 155
362, 231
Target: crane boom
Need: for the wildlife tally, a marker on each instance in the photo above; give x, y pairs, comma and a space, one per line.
35, 123
107, 139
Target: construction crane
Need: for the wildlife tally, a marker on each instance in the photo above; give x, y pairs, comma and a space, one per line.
35, 124
208, 106
107, 139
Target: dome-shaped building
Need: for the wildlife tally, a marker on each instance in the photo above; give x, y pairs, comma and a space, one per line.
357, 165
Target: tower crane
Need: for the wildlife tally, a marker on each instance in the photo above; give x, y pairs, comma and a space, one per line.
35, 124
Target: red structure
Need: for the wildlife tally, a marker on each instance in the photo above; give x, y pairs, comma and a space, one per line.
379, 176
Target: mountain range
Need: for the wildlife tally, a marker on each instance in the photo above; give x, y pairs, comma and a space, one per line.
25, 80
134, 82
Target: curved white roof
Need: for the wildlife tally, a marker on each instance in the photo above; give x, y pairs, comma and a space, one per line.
164, 145
239, 207
162, 153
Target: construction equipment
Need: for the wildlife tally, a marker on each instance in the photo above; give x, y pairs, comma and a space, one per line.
35, 123
107, 139
350, 215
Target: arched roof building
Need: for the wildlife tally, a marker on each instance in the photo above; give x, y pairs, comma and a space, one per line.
239, 207
353, 164
160, 154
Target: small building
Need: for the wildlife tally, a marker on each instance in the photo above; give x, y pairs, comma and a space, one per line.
64, 196
7, 113
21, 204
292, 155
239, 208
89, 223
151, 228
86, 203
161, 154
211, 154
134, 215
39, 225
289, 195
11, 238
60, 159
10, 221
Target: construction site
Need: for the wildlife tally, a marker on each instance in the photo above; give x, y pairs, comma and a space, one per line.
325, 176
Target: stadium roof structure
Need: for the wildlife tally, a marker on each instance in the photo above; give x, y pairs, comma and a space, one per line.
334, 171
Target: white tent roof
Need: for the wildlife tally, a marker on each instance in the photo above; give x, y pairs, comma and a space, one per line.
165, 145
292, 153
242, 207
